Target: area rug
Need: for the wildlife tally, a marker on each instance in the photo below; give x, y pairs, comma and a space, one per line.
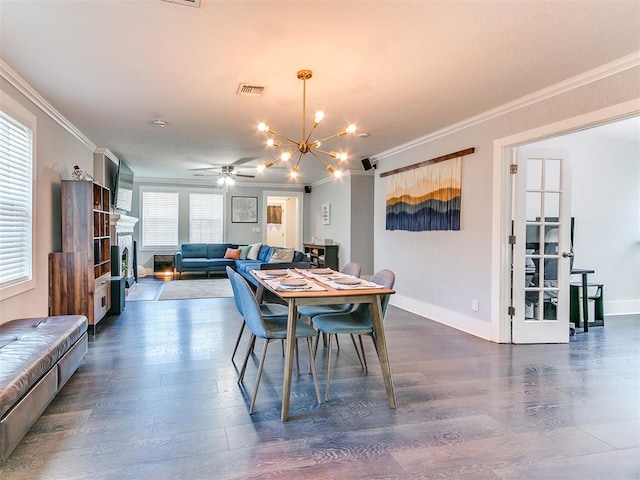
143, 292
205, 288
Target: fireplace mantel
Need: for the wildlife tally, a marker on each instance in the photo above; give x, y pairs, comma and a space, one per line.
123, 224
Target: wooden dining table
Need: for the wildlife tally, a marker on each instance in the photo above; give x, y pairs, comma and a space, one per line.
324, 294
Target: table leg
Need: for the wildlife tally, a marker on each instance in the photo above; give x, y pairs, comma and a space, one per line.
381, 348
259, 293
585, 303
288, 358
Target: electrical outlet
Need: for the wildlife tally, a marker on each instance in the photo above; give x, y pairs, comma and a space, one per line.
475, 305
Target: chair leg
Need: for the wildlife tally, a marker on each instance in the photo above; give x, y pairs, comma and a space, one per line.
259, 375
337, 342
252, 342
312, 367
235, 348
364, 357
353, 340
326, 388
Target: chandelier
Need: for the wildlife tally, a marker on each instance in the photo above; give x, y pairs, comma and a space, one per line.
306, 145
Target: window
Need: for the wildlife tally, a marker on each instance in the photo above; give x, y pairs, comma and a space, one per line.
16, 204
206, 218
159, 219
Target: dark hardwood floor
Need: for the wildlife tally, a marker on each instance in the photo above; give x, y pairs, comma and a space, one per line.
157, 398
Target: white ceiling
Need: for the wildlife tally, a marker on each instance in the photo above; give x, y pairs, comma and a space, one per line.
399, 69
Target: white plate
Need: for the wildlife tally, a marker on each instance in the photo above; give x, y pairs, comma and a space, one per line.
275, 273
322, 271
347, 281
293, 282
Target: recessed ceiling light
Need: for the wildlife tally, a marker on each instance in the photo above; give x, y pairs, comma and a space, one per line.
159, 123
362, 134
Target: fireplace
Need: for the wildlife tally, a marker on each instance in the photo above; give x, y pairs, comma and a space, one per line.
123, 248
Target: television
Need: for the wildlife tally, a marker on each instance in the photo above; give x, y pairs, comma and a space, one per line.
124, 188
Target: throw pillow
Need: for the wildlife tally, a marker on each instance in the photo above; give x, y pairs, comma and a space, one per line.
244, 249
282, 255
253, 251
232, 253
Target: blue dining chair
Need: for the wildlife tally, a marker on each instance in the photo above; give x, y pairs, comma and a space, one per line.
269, 330
272, 311
310, 311
356, 322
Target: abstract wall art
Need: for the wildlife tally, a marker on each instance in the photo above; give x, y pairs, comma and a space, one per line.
425, 198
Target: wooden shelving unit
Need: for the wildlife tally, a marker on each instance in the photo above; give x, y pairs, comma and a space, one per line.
322, 256
79, 276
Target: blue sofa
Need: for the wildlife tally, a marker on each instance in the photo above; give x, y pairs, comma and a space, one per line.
209, 257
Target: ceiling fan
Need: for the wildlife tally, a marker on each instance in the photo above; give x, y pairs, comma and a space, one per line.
226, 173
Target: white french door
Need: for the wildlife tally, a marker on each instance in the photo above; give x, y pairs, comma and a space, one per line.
542, 249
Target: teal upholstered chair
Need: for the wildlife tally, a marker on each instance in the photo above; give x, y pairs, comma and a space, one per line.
272, 311
269, 330
310, 311
356, 322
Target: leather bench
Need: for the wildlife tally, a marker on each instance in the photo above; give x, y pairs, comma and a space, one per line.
37, 357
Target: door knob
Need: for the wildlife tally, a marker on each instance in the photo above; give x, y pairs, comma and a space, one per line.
567, 254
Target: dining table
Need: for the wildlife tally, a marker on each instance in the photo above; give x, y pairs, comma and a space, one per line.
313, 288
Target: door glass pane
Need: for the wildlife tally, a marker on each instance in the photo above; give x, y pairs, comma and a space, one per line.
534, 206
552, 174
552, 205
534, 174
532, 306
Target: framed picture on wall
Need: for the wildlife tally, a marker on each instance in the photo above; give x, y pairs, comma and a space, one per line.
326, 214
244, 209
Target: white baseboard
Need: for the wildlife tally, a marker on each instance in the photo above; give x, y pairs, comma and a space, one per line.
621, 307
466, 323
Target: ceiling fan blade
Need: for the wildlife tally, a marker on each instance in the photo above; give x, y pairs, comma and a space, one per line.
243, 160
245, 176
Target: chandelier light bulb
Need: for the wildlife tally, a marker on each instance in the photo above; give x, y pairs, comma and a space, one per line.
261, 168
272, 143
221, 181
263, 127
285, 156
318, 117
293, 173
342, 156
229, 181
351, 128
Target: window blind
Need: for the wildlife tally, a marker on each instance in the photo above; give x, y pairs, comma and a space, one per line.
159, 219
16, 172
206, 218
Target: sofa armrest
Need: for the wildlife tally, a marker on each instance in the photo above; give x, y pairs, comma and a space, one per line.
178, 261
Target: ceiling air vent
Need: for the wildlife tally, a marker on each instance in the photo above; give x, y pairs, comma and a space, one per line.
250, 90
189, 3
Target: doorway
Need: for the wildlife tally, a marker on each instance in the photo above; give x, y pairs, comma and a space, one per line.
506, 197
283, 219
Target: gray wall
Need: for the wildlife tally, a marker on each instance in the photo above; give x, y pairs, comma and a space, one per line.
240, 233
439, 273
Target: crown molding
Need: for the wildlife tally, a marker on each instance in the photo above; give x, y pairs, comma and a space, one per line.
178, 182
608, 69
14, 79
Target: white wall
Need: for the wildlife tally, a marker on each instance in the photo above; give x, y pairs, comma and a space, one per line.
57, 151
439, 273
338, 194
605, 202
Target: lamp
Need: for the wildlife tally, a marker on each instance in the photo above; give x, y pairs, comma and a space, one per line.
306, 145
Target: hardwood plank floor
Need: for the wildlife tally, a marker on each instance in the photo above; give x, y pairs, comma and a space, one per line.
157, 398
